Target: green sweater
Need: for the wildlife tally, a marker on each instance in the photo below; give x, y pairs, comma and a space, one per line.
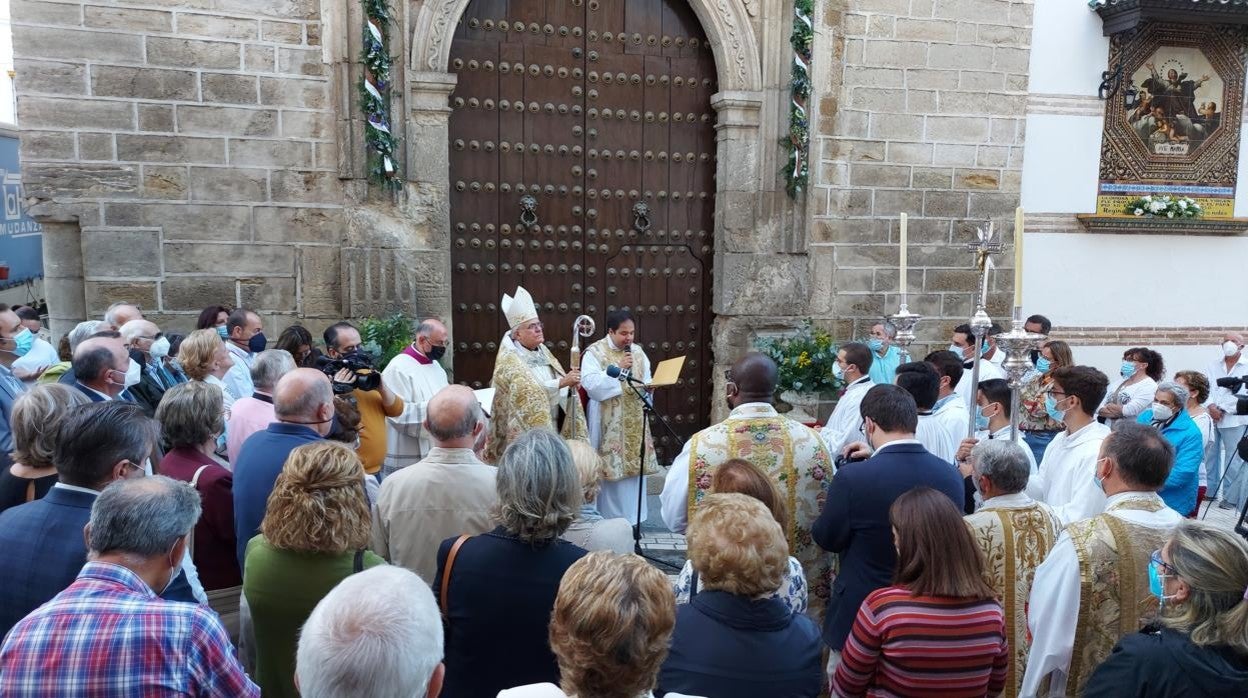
282, 587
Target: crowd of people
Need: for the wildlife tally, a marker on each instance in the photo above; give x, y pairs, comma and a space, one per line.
219, 514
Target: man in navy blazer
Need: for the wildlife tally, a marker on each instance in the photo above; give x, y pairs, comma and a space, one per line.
100, 364
42, 541
854, 521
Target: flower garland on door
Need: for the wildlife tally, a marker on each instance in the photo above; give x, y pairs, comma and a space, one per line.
797, 169
374, 95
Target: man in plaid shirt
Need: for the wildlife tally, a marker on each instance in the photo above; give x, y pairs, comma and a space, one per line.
109, 634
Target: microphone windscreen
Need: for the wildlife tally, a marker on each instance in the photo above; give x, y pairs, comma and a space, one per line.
613, 371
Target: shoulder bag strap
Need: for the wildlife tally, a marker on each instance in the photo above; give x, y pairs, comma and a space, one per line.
693, 584
446, 573
190, 540
358, 564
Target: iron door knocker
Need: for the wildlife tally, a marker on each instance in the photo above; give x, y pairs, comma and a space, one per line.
528, 211
641, 216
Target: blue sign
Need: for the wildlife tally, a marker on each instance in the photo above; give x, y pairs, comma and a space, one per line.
21, 238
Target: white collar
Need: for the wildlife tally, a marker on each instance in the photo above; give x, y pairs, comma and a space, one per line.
76, 488
106, 396
611, 344
898, 442
860, 384
1002, 433
1018, 500
235, 349
1134, 494
752, 409
1075, 436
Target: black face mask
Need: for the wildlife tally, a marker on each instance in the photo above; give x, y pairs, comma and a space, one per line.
436, 353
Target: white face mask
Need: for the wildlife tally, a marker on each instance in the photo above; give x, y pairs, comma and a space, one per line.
159, 348
1162, 413
1229, 348
134, 373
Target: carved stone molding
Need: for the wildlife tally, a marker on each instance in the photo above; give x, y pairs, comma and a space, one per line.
726, 23
1143, 225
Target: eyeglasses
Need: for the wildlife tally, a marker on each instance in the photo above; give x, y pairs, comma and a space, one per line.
1166, 567
1058, 394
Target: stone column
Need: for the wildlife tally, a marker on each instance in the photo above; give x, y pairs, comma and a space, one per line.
63, 283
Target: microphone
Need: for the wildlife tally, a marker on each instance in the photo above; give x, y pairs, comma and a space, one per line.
615, 372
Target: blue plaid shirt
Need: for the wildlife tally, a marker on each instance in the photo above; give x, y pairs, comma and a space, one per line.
108, 635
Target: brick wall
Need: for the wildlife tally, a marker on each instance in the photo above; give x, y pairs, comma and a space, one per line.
920, 110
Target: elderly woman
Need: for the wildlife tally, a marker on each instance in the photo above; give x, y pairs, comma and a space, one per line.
496, 590
314, 535
735, 639
1141, 369
1038, 427
1199, 646
205, 359
610, 629
37, 414
190, 416
590, 530
1169, 415
743, 477
1197, 385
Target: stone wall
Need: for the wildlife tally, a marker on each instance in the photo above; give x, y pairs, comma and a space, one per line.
183, 153
920, 110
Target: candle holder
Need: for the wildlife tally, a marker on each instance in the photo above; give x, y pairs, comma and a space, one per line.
903, 321
1017, 344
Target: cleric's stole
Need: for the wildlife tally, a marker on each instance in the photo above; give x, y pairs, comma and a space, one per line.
1114, 598
521, 403
1015, 542
798, 463
622, 420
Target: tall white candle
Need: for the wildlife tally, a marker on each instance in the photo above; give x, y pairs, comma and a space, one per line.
1018, 257
902, 265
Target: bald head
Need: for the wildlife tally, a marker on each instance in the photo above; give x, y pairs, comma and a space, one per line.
755, 376
100, 363
305, 396
454, 416
430, 333
1235, 338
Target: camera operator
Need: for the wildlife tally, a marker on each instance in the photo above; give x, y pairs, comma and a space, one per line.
1228, 425
342, 341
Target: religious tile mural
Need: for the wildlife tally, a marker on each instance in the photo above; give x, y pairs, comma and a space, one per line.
1181, 137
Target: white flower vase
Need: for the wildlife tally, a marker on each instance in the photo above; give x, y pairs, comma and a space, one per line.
805, 406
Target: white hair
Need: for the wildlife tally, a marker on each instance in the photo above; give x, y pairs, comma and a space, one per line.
110, 315
134, 328
81, 331
377, 634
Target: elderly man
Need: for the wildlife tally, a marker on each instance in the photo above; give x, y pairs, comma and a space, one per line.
42, 540
63, 371
415, 375
1094, 587
447, 493
885, 356
532, 390
792, 454
254, 413
15, 342
378, 633
1066, 477
118, 314
853, 365
1229, 427
138, 534
343, 340
244, 339
147, 347
303, 403
100, 365
1015, 532
1169, 415
30, 366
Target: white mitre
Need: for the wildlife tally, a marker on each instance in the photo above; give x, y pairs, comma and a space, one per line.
519, 309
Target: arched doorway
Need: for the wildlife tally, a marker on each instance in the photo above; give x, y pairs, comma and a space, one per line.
595, 117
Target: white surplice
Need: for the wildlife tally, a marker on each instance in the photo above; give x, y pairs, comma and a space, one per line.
616, 498
953, 417
932, 433
842, 427
416, 383
1066, 480
1053, 610
987, 371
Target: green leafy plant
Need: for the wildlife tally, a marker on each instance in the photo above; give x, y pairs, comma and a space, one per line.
1154, 206
385, 337
375, 94
805, 359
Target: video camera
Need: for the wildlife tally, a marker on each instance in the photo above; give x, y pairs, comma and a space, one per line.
1234, 385
359, 363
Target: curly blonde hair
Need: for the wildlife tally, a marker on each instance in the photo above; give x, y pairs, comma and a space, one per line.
318, 504
611, 626
737, 546
198, 353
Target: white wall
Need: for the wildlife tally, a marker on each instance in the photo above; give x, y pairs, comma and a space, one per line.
1061, 163
1067, 50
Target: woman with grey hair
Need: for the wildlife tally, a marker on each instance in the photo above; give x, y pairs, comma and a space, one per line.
37, 414
497, 590
1169, 415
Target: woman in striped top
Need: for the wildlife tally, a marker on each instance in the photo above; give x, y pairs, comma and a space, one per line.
938, 630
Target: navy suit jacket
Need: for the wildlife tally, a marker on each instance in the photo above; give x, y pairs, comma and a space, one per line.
93, 396
10, 388
259, 462
854, 523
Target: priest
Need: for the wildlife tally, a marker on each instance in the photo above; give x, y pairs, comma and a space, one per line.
531, 389
616, 418
793, 455
415, 375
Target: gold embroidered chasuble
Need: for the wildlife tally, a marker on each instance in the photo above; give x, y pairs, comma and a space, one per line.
522, 403
621, 418
798, 463
1114, 598
1015, 540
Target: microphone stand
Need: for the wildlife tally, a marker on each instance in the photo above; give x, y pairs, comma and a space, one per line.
647, 407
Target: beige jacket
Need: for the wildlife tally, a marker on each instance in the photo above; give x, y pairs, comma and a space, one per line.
448, 493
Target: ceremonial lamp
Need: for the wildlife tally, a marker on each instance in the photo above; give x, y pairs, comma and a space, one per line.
582, 326
1018, 343
903, 321
984, 247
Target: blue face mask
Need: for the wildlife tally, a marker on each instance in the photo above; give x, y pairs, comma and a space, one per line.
23, 341
1128, 369
1050, 407
875, 344
981, 419
225, 334
1155, 584
983, 349
1043, 365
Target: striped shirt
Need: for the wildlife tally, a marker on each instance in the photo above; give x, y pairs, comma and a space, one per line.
905, 645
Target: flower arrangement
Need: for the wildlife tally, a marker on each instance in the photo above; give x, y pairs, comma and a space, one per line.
375, 94
797, 141
1165, 207
805, 359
